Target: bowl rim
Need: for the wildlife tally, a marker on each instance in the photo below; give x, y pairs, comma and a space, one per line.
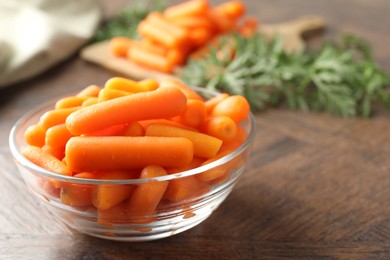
19, 158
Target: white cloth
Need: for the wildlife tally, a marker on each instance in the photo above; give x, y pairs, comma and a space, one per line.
37, 34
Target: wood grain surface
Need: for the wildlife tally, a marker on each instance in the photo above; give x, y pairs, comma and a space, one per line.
317, 187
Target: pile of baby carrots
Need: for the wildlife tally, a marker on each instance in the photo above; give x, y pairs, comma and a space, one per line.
135, 129
169, 38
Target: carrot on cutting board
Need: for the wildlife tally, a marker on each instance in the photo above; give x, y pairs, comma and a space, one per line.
139, 106
119, 46
150, 60
91, 153
205, 146
106, 196
188, 8
145, 198
232, 9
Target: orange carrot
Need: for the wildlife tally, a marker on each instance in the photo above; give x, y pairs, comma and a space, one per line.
196, 161
67, 102
57, 136
187, 91
57, 152
212, 102
156, 19
118, 214
218, 171
236, 107
236, 142
150, 60
157, 34
151, 46
205, 146
233, 9
91, 153
188, 8
107, 94
200, 36
194, 115
133, 129
55, 117
145, 198
222, 21
35, 135
146, 123
90, 101
109, 131
120, 45
90, 91
126, 85
148, 84
106, 196
78, 195
221, 127
248, 27
193, 21
185, 188
160, 103
37, 156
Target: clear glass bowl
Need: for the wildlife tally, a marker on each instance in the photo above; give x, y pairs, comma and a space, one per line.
173, 215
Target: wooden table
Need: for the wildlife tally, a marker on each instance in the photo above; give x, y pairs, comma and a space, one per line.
317, 187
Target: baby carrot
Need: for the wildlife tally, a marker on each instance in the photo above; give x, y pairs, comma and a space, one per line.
150, 60
67, 102
221, 127
37, 156
107, 94
160, 103
133, 129
185, 188
157, 34
146, 123
194, 115
197, 161
57, 136
106, 196
91, 153
145, 198
248, 27
236, 107
118, 214
120, 45
78, 195
187, 91
90, 91
205, 146
109, 131
35, 135
90, 101
218, 171
236, 142
233, 9
200, 36
126, 85
57, 152
188, 8
55, 117
148, 84
212, 102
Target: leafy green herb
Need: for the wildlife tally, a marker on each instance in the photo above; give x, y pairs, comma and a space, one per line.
125, 23
341, 78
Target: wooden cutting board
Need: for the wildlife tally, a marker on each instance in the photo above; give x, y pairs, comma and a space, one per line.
291, 32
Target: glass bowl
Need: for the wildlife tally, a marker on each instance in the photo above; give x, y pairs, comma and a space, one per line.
174, 214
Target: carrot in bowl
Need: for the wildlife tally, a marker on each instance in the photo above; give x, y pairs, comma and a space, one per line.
139, 106
92, 153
